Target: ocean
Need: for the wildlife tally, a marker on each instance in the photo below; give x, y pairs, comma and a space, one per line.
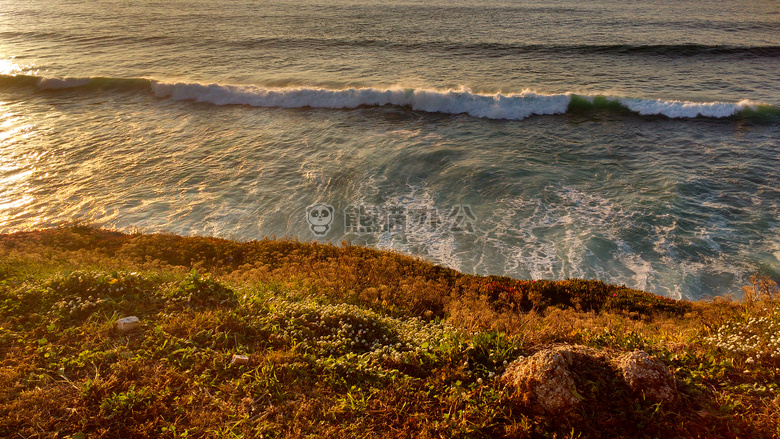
633, 142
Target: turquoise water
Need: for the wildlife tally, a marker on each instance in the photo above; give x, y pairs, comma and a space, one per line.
633, 143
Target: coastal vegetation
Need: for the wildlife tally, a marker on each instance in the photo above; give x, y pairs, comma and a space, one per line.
279, 338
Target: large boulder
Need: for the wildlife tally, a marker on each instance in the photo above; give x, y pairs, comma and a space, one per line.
647, 376
549, 378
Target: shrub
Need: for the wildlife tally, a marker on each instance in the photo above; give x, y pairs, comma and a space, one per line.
198, 291
82, 293
761, 287
757, 337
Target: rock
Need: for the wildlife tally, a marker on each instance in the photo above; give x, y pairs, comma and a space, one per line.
548, 376
239, 359
126, 324
647, 376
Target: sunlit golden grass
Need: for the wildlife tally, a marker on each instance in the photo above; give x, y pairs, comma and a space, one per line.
345, 342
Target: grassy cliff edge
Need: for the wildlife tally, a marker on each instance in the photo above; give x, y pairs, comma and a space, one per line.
278, 338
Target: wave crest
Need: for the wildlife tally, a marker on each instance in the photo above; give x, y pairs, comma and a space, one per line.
682, 109
512, 106
58, 83
499, 106
508, 106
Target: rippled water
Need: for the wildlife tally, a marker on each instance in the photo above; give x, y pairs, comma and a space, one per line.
633, 143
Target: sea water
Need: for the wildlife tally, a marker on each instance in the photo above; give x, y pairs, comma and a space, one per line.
635, 142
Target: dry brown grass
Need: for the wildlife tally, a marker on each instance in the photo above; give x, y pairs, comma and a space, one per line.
65, 376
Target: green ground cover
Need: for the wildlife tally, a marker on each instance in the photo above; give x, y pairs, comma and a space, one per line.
345, 341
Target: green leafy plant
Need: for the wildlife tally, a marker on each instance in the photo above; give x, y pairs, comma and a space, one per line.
124, 403
197, 290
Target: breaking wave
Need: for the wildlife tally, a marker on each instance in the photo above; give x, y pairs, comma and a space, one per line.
508, 106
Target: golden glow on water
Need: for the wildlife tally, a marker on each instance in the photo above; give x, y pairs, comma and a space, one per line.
16, 168
11, 133
8, 67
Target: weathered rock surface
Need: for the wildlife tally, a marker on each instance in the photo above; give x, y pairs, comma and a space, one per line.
548, 378
647, 376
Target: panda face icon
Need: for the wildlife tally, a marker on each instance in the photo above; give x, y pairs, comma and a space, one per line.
319, 216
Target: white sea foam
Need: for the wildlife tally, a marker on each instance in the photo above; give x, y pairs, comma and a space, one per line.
681, 109
643, 270
509, 106
512, 106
